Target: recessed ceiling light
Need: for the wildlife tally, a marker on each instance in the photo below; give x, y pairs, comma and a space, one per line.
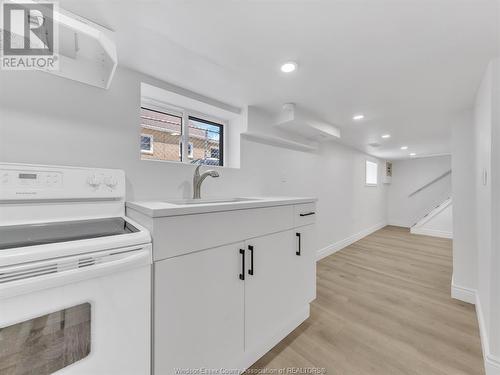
386, 136
289, 67
404, 147
413, 154
358, 117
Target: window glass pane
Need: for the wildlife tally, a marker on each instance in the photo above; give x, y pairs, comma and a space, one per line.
206, 141
46, 344
371, 173
164, 132
147, 143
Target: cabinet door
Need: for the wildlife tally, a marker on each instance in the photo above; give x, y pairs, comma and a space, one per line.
268, 292
304, 280
199, 310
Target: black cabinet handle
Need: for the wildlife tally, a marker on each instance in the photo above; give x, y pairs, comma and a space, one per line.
242, 274
250, 248
300, 244
308, 214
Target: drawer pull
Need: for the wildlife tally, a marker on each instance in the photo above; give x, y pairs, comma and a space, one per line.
300, 244
308, 214
250, 270
242, 274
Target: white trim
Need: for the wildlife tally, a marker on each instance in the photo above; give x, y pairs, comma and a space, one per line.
190, 154
432, 232
417, 227
339, 245
159, 106
151, 142
462, 293
398, 224
491, 362
434, 212
278, 142
179, 94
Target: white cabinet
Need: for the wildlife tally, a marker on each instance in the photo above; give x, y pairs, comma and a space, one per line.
199, 310
269, 291
303, 285
229, 285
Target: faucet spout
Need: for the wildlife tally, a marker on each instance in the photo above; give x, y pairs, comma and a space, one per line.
199, 178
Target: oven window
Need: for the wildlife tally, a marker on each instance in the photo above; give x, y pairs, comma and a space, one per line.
46, 344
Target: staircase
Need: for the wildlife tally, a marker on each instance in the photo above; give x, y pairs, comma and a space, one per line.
437, 223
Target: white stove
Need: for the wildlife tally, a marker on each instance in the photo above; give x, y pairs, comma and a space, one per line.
75, 274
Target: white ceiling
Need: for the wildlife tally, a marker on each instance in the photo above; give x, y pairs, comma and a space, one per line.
408, 65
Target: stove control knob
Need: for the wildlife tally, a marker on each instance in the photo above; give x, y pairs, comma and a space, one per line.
110, 182
94, 181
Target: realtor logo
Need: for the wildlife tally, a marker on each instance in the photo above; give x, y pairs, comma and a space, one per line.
29, 36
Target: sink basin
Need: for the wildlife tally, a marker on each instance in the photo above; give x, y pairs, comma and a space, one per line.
181, 202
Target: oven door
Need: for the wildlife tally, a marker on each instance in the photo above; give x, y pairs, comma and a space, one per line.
79, 315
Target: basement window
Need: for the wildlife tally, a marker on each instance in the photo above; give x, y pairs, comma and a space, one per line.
164, 131
147, 143
371, 173
207, 139
161, 132
188, 128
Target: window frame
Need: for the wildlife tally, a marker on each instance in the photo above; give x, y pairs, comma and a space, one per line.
190, 154
221, 136
366, 173
151, 142
186, 114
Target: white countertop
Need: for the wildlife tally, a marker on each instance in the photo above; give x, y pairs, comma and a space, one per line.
161, 209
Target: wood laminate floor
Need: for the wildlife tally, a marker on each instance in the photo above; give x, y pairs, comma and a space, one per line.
383, 307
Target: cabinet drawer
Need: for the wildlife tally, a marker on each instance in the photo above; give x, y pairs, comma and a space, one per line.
304, 214
177, 235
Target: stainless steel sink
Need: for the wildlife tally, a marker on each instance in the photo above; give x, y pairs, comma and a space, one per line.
181, 202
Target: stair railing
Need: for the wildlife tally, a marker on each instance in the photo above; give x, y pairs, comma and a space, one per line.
430, 183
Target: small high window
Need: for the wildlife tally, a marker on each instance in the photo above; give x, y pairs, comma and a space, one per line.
163, 132
207, 139
371, 173
147, 143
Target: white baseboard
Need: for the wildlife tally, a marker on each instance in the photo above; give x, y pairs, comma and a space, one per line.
491, 362
462, 293
398, 224
431, 232
339, 245
492, 365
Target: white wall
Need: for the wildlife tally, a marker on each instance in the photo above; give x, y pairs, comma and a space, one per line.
464, 205
482, 120
68, 123
410, 175
495, 207
484, 257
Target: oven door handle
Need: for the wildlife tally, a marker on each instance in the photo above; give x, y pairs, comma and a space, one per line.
28, 282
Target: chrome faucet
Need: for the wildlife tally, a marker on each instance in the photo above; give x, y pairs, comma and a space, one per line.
198, 179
